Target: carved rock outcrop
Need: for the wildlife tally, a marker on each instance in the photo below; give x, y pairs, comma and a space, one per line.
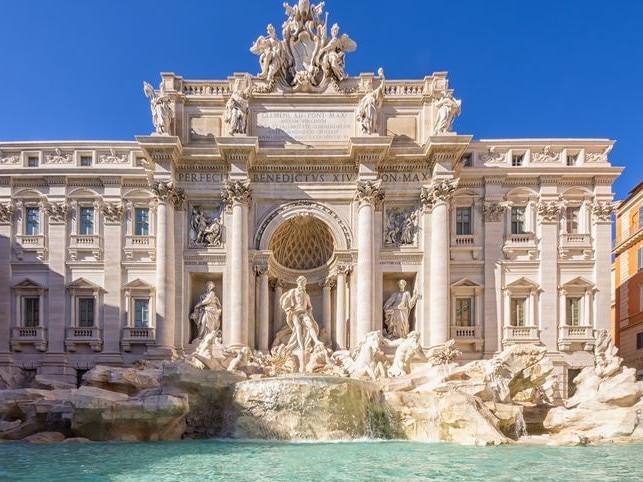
122, 380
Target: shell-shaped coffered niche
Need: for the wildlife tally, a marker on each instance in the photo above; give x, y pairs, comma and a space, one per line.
302, 243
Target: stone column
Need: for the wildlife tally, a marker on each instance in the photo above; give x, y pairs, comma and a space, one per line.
263, 308
6, 223
550, 319
112, 214
602, 230
368, 195
169, 198
437, 197
340, 307
327, 285
494, 228
237, 197
277, 316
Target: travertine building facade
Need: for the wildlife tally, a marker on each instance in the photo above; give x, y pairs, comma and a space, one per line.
628, 270
354, 182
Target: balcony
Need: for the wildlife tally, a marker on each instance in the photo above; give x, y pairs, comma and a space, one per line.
137, 336
521, 246
83, 246
91, 336
464, 247
140, 248
572, 337
572, 244
28, 335
467, 335
520, 334
35, 245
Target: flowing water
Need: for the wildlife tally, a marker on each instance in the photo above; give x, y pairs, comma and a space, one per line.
360, 461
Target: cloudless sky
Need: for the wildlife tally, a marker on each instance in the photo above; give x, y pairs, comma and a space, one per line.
74, 69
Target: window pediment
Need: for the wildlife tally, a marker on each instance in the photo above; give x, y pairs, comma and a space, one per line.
522, 284
28, 284
83, 284
138, 284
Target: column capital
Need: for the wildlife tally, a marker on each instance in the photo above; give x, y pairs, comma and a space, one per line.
56, 211
277, 284
7, 211
549, 211
602, 211
344, 269
368, 192
439, 192
261, 269
166, 192
328, 283
493, 211
236, 192
112, 212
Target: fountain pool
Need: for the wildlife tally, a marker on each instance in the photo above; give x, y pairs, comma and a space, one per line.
263, 461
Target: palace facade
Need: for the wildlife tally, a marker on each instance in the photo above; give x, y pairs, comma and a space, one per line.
250, 182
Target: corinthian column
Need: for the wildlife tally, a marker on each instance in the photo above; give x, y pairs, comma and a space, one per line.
436, 199
237, 196
263, 307
340, 306
368, 195
169, 198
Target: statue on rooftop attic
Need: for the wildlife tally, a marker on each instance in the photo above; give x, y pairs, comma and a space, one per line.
333, 53
160, 107
271, 54
369, 106
236, 113
448, 109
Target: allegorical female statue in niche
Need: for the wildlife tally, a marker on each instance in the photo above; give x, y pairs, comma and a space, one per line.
397, 310
207, 313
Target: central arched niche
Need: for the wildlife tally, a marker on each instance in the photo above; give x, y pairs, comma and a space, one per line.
302, 243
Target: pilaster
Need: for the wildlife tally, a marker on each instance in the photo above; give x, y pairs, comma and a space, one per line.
6, 223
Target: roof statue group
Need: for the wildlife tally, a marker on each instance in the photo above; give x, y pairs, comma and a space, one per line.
307, 56
307, 59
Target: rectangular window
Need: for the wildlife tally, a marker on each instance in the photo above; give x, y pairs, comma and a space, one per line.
464, 312
641, 217
141, 313
31, 312
467, 160
85, 161
572, 215
518, 220
640, 258
32, 221
86, 312
518, 311
141, 222
32, 161
517, 159
573, 311
572, 159
86, 224
639, 340
463, 221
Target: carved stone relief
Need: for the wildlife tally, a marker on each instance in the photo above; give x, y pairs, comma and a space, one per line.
400, 226
206, 226
546, 155
6, 213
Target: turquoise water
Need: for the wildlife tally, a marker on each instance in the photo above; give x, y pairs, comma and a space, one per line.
361, 461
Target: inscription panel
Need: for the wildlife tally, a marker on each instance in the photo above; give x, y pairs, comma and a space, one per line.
288, 127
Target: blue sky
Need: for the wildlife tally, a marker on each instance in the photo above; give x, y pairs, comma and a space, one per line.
74, 69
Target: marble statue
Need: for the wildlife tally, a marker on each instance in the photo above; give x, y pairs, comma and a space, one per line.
299, 317
236, 113
448, 109
407, 350
271, 54
397, 310
306, 59
207, 313
368, 107
204, 230
160, 106
333, 53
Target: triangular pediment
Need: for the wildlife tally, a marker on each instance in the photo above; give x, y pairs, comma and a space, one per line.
83, 284
523, 283
579, 282
138, 284
466, 283
28, 283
